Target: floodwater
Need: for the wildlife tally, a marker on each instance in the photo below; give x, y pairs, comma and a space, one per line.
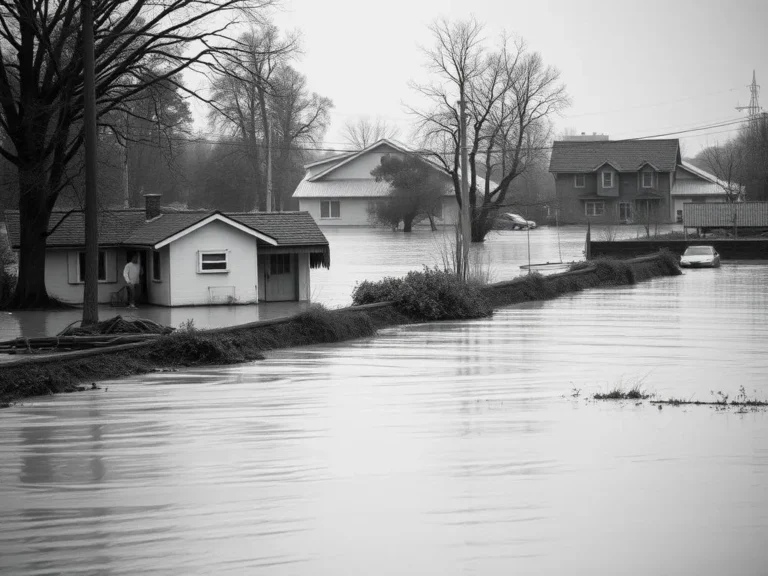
448, 448
357, 254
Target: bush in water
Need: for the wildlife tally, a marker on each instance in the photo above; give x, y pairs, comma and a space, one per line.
431, 294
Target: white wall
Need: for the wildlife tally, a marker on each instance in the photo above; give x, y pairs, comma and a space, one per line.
160, 292
354, 211
61, 278
304, 272
191, 288
361, 167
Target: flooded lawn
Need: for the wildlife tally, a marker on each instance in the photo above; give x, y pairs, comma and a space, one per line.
451, 448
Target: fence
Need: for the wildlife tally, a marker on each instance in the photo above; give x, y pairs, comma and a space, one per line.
721, 215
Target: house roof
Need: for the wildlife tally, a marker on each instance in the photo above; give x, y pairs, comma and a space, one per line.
624, 155
314, 186
696, 188
345, 159
352, 188
130, 228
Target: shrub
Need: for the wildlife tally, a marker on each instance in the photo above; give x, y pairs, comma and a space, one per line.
431, 294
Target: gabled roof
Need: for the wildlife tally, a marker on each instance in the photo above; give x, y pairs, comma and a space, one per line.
130, 228
351, 157
314, 186
624, 155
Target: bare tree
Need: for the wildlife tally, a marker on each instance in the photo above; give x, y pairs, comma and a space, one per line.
41, 89
511, 96
241, 91
364, 131
727, 164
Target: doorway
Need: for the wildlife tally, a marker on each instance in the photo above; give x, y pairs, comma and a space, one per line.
625, 211
280, 277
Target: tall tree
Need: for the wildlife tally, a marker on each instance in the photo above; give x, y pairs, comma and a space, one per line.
241, 99
41, 89
301, 118
364, 131
510, 95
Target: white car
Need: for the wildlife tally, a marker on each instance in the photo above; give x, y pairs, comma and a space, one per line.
700, 257
514, 222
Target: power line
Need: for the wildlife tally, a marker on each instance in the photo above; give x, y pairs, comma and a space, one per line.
297, 148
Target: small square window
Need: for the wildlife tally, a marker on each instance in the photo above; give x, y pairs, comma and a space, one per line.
330, 209
607, 179
213, 262
647, 179
102, 274
579, 181
279, 264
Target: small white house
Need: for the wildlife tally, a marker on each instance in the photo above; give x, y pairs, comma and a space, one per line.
339, 191
697, 186
187, 258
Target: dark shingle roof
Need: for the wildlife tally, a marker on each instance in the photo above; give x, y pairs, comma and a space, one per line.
288, 228
129, 227
625, 155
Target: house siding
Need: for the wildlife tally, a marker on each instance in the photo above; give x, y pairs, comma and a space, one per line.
61, 275
361, 166
160, 292
192, 288
627, 188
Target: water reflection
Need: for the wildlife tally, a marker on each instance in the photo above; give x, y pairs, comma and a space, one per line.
447, 448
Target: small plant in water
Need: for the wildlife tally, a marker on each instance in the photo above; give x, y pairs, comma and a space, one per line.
187, 326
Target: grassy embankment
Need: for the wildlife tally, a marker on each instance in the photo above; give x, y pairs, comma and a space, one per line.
420, 296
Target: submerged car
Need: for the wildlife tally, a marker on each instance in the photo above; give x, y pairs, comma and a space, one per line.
700, 257
510, 221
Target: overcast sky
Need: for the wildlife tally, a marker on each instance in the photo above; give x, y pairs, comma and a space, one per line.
632, 68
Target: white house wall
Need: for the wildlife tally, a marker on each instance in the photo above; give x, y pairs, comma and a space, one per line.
361, 166
304, 285
192, 288
353, 211
160, 291
61, 275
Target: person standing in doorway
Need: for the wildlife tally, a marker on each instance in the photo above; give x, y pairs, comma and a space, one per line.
132, 276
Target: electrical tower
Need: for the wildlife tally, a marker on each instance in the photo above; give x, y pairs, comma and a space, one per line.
753, 110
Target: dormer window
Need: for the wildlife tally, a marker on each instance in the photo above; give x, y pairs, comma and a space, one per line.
607, 179
579, 181
647, 179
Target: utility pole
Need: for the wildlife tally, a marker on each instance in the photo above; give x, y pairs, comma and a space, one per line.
466, 228
91, 290
268, 133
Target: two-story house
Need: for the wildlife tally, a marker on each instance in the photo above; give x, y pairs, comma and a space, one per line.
615, 181
627, 181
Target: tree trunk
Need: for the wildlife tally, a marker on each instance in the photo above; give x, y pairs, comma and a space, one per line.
408, 223
34, 218
432, 225
480, 223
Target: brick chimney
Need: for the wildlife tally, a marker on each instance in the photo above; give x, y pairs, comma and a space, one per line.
152, 206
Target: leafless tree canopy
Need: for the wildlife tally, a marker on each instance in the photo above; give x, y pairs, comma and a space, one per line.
138, 45
510, 95
728, 163
364, 131
260, 100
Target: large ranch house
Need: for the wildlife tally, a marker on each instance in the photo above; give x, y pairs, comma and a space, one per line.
627, 181
188, 258
340, 191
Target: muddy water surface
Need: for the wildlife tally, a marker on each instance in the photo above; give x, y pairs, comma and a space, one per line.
451, 448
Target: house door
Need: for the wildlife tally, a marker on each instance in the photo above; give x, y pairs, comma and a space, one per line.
625, 211
280, 277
